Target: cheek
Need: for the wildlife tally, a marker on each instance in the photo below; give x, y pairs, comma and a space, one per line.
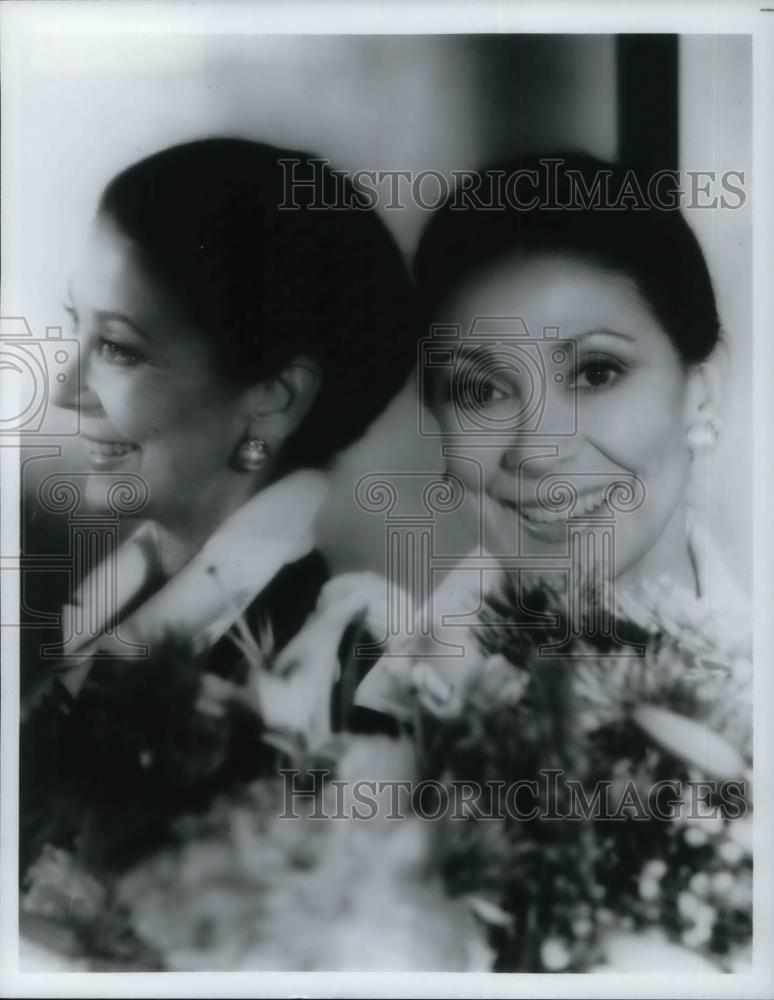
475, 465
640, 436
134, 406
156, 413
192, 437
649, 450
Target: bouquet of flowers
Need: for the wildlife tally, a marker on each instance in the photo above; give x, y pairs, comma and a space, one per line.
616, 765
582, 797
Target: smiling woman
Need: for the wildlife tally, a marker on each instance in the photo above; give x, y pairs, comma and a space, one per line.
587, 372
213, 325
227, 350
149, 400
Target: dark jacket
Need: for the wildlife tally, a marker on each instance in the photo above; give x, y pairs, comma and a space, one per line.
107, 773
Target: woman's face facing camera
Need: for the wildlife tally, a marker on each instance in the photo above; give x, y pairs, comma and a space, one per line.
571, 418
148, 400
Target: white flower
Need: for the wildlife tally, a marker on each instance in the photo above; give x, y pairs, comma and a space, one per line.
582, 927
696, 836
345, 596
297, 893
655, 869
731, 852
434, 692
694, 937
554, 954
57, 887
649, 888
740, 896
688, 905
722, 883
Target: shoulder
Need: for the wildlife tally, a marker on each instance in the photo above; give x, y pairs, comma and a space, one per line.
719, 593
714, 623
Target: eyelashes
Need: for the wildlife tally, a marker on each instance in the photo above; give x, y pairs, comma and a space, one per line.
600, 371
115, 353
476, 387
471, 386
111, 350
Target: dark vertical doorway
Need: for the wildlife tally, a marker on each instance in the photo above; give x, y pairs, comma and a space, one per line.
647, 68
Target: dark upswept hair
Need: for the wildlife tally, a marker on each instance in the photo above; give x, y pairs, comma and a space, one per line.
266, 283
652, 245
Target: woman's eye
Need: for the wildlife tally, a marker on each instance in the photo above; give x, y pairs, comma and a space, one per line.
474, 394
598, 373
475, 389
489, 394
118, 354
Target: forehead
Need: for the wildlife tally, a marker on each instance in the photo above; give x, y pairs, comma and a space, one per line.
107, 264
109, 279
550, 290
109, 275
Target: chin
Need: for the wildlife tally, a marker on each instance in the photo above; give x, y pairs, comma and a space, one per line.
115, 494
97, 492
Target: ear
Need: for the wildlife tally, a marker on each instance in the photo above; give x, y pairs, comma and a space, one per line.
277, 406
706, 383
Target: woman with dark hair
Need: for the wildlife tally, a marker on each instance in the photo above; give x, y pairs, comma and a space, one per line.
225, 340
229, 347
585, 367
574, 363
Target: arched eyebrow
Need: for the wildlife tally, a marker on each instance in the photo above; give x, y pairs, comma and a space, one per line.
603, 330
506, 367
490, 344
107, 315
471, 351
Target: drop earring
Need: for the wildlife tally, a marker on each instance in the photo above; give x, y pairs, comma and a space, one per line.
252, 454
702, 436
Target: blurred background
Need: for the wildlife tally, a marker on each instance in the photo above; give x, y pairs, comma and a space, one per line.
85, 106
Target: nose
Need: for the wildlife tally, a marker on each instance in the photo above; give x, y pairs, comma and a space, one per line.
547, 438
69, 383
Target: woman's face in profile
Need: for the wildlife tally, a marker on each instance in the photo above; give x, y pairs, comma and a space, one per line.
148, 400
569, 415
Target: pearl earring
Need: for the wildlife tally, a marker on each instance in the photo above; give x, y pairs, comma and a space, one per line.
252, 454
702, 436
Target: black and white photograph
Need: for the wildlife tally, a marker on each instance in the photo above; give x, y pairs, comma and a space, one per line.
386, 483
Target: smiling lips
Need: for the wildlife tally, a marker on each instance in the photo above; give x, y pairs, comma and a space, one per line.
586, 503
105, 454
110, 448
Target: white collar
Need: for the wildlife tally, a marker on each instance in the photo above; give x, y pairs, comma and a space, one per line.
717, 587
721, 608
207, 595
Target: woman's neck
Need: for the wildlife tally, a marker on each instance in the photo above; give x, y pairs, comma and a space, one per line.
174, 550
669, 557
183, 535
